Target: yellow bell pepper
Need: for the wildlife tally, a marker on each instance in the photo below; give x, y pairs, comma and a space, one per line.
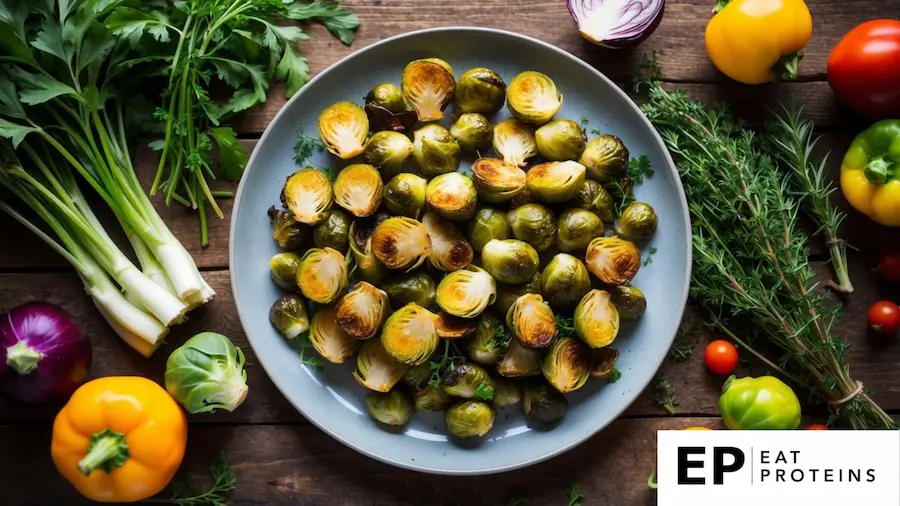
756, 41
119, 439
870, 172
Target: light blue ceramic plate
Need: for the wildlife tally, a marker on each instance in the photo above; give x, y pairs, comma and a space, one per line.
331, 399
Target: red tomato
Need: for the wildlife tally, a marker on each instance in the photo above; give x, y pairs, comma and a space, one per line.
884, 317
721, 357
864, 68
817, 426
889, 265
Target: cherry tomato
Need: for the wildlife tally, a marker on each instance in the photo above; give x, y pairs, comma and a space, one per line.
817, 426
721, 357
884, 317
864, 68
889, 265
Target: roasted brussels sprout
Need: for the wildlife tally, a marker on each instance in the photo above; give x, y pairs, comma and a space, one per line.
555, 181
472, 131
560, 140
431, 399
386, 95
507, 294
613, 260
596, 319
519, 361
533, 97
521, 199
435, 150
404, 195
480, 90
603, 361
343, 128
567, 365
417, 376
442, 63
534, 224
283, 270
543, 404
629, 301
469, 419
288, 316
428, 87
465, 380
401, 243
637, 222
329, 338
388, 151
410, 334
449, 249
487, 224
387, 110
506, 393
376, 369
576, 228
322, 275
510, 261
362, 310
418, 288
391, 408
288, 233
487, 346
453, 327
605, 158
594, 197
514, 142
452, 196
496, 180
467, 292
334, 232
308, 196
366, 266
565, 281
532, 321
358, 189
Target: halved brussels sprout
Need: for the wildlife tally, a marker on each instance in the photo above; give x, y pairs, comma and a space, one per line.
428, 87
358, 189
532, 321
343, 128
466, 292
404, 195
449, 249
519, 361
417, 376
322, 275
534, 224
629, 301
472, 131
376, 369
435, 150
526, 197
465, 380
418, 288
514, 141
387, 110
308, 196
597, 319
283, 270
496, 180
594, 197
362, 310
388, 151
533, 97
391, 408
486, 347
480, 90
543, 404
442, 63
605, 158
288, 316
603, 361
567, 365
452, 196
556, 181
410, 334
366, 266
401, 243
506, 393
576, 228
329, 338
613, 260
507, 294
637, 222
469, 419
334, 232
561, 140
431, 399
510, 261
288, 233
487, 224
565, 281
453, 327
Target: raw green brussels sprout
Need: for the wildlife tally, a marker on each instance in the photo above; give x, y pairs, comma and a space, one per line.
428, 86
376, 369
555, 181
533, 97
465, 380
565, 281
207, 373
613, 260
487, 224
576, 228
466, 292
451, 327
597, 319
605, 158
637, 222
391, 408
480, 90
507, 294
435, 150
358, 189
543, 404
388, 151
534, 224
452, 196
629, 301
449, 249
329, 338
472, 131
404, 195
362, 310
506, 393
469, 419
603, 361
308, 196
288, 233
334, 232
343, 128
418, 288
283, 270
561, 140
519, 361
288, 316
387, 110
410, 334
322, 275
431, 399
532, 321
486, 347
366, 266
417, 376
510, 261
496, 180
594, 197
514, 141
567, 365
401, 243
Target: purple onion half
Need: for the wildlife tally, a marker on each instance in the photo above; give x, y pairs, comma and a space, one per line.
616, 23
43, 354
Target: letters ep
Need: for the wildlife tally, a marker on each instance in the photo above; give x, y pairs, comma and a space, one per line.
685, 463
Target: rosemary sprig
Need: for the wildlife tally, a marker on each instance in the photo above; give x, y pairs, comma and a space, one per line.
224, 483
574, 496
665, 394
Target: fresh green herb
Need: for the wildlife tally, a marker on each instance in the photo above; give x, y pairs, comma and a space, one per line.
639, 168
622, 193
680, 353
585, 122
574, 496
565, 325
614, 375
224, 482
649, 258
665, 394
596, 131
484, 392
449, 358
651, 481
305, 147
501, 339
305, 345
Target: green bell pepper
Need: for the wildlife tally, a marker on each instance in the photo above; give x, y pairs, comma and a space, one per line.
759, 404
870, 173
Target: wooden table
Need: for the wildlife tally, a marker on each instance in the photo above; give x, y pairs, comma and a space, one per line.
281, 459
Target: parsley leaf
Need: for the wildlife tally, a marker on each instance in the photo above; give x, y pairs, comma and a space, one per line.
232, 154
649, 259
305, 147
566, 325
484, 392
614, 375
339, 21
501, 339
305, 344
639, 168
584, 123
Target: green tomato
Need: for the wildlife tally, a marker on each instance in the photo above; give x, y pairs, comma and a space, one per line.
206, 374
763, 403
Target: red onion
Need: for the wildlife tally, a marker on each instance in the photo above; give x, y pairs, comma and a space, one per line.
43, 354
616, 23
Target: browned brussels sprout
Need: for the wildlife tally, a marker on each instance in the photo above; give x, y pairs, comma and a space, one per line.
594, 197
343, 128
287, 232
561, 140
565, 281
496, 180
404, 195
362, 310
472, 131
453, 327
613, 260
596, 319
555, 181
308, 196
507, 294
534, 224
637, 222
480, 90
510, 261
544, 404
487, 224
387, 110
533, 97
567, 365
532, 321
416, 288
469, 419
576, 228
388, 151
334, 232
605, 158
428, 86
629, 301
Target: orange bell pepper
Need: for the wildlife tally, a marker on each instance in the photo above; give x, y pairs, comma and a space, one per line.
119, 439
